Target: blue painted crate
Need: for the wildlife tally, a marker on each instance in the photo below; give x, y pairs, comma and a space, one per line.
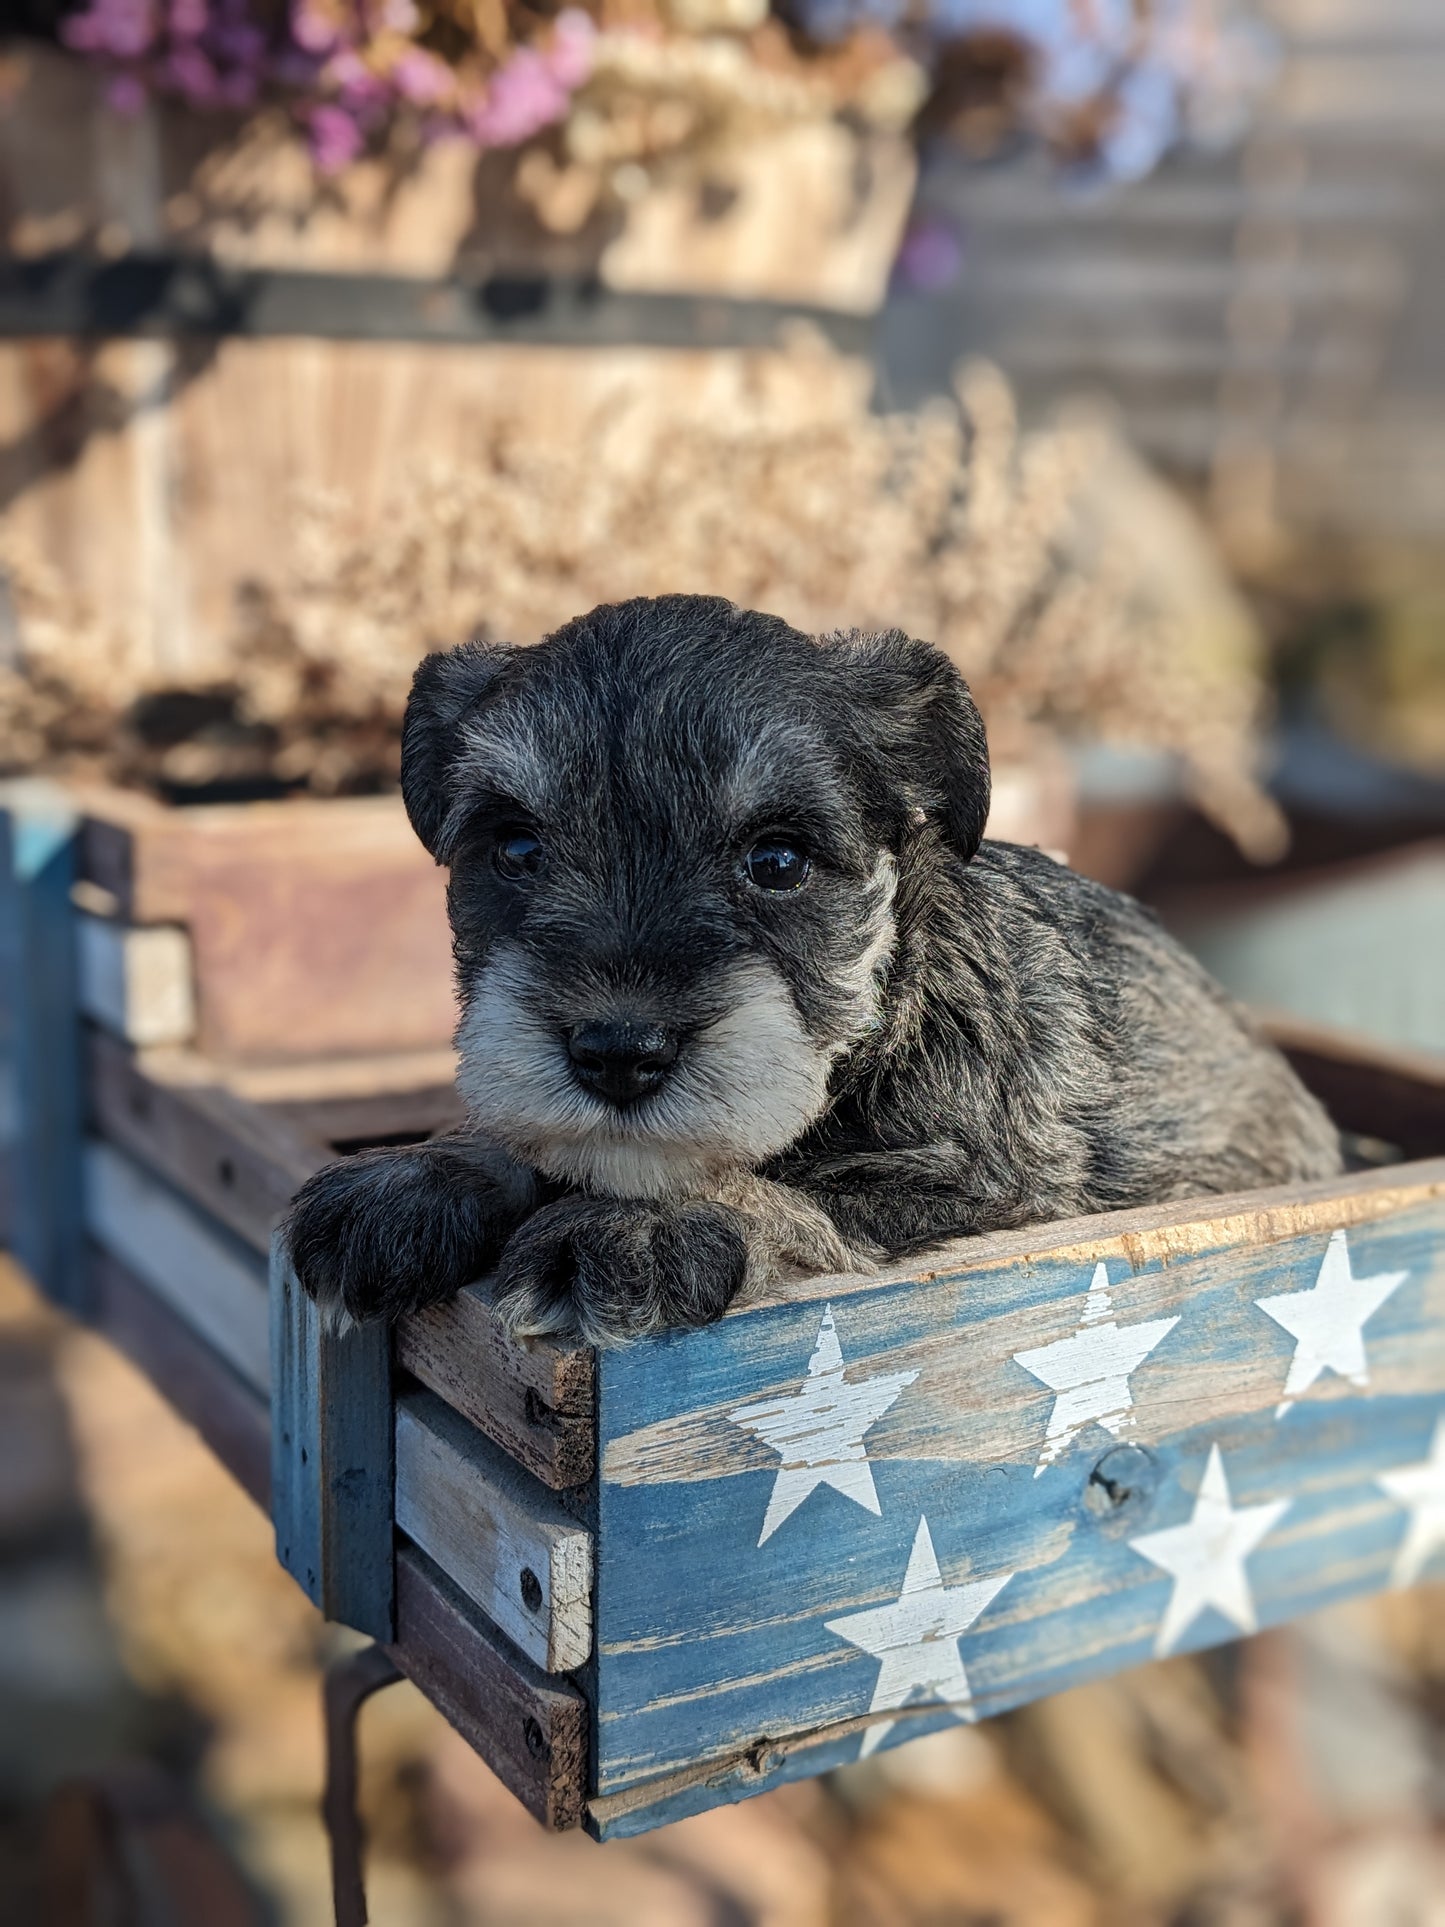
848, 1517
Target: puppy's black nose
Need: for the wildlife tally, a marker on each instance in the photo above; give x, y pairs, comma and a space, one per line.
621, 1061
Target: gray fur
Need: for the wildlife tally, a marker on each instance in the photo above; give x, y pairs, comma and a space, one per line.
926, 1039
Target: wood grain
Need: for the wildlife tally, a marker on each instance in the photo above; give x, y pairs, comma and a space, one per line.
716, 1671
498, 1534
332, 1441
236, 1161
535, 1398
233, 1420
530, 1730
209, 1279
318, 926
136, 981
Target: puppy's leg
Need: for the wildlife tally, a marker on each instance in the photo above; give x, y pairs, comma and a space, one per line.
383, 1232
900, 1201
613, 1269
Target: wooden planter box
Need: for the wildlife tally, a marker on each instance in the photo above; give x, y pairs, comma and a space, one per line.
355, 337
647, 1581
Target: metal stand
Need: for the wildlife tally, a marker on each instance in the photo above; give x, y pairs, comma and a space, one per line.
350, 1682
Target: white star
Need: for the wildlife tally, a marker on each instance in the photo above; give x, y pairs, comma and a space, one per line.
1090, 1371
916, 1638
1206, 1557
1421, 1488
1328, 1321
818, 1431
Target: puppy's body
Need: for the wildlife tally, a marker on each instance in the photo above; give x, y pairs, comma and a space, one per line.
743, 995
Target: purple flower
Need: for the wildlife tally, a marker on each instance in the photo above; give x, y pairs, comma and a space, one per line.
357, 88
123, 29
336, 140
189, 71
124, 94
188, 19
930, 255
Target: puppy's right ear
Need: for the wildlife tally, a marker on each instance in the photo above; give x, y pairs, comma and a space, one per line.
447, 689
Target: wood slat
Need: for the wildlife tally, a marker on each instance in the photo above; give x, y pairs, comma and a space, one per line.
208, 1278
498, 1534
318, 927
137, 982
531, 1730
45, 1178
234, 1420
537, 1399
1395, 1095
233, 1159
719, 1667
332, 1465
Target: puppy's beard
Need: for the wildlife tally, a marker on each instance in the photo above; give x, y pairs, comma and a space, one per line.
743, 1087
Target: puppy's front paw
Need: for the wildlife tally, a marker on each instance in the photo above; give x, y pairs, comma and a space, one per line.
384, 1232
613, 1270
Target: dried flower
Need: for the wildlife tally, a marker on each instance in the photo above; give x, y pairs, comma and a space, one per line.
1069, 585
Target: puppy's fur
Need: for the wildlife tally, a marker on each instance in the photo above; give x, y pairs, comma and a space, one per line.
931, 1036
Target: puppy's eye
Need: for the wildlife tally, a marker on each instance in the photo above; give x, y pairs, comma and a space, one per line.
518, 856
775, 864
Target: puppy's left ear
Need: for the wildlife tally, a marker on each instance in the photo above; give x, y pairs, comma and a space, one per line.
446, 689
923, 727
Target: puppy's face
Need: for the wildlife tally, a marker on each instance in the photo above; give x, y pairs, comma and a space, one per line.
675, 831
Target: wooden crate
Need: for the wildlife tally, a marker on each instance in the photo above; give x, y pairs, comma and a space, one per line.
358, 330
263, 932
647, 1581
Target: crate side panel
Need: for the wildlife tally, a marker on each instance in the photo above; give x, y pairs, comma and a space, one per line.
947, 1440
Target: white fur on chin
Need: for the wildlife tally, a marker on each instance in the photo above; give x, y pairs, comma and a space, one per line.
743, 1088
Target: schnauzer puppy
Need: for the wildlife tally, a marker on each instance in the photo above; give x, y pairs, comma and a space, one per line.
745, 997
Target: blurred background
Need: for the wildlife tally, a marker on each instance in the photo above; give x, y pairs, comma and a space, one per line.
1101, 342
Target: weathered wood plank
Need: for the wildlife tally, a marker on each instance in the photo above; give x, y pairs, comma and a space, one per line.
375, 1117
46, 1181
1392, 1094
236, 1160
136, 981
530, 1730
1043, 1430
332, 1442
207, 1277
232, 1419
497, 1533
318, 926
535, 1399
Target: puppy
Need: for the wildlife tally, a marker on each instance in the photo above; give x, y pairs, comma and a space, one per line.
745, 996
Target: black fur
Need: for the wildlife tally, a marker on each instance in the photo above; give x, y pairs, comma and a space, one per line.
931, 1037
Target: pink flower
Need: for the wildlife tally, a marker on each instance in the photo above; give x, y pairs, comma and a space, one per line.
314, 27
336, 140
421, 78
524, 96
569, 53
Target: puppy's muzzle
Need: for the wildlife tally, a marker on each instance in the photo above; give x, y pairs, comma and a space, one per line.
621, 1062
